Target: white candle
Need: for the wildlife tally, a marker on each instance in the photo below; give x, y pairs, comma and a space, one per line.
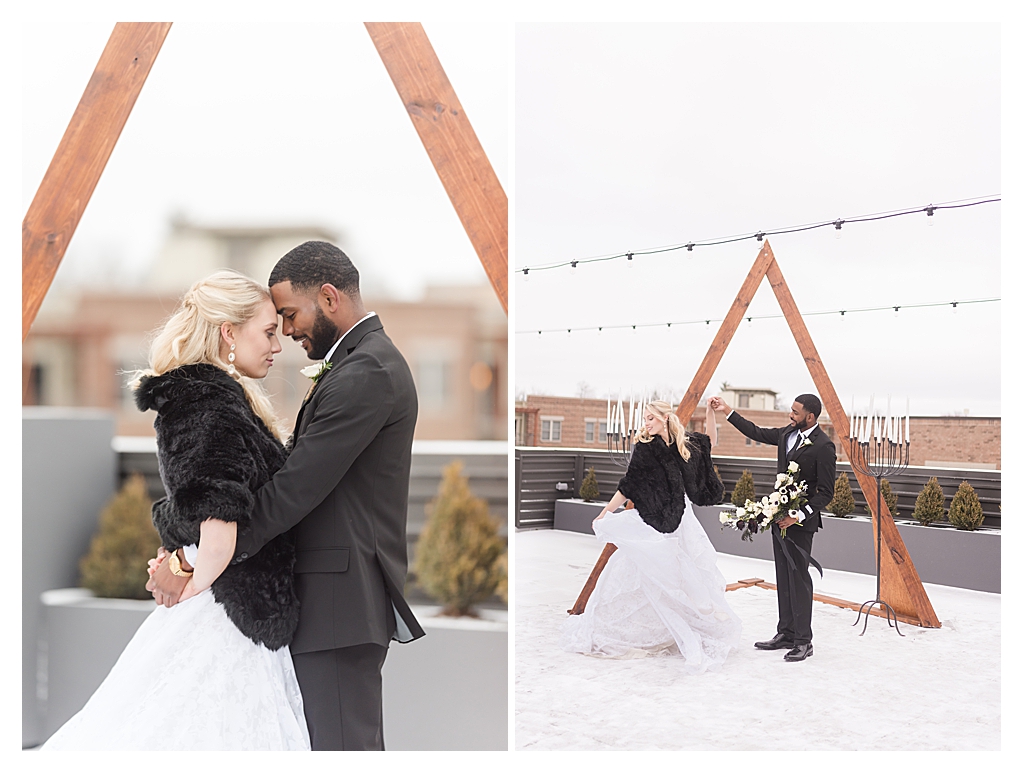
632, 411
607, 421
621, 424
852, 414
907, 421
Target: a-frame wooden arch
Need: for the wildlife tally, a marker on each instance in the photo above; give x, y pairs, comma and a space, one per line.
900, 584
110, 95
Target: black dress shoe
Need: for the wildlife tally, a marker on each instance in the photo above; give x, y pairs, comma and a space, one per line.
799, 652
779, 642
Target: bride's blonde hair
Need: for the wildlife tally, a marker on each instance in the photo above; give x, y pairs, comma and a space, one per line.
676, 432
192, 335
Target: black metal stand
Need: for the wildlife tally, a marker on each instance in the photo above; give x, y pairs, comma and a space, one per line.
878, 458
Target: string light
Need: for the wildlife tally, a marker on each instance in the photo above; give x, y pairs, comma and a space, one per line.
930, 209
525, 274
706, 322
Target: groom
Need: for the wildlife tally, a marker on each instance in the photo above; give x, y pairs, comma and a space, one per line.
344, 492
806, 444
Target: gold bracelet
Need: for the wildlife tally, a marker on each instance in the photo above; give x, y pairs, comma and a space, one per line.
175, 565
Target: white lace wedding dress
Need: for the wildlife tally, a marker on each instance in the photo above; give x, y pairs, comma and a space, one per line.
190, 680
659, 594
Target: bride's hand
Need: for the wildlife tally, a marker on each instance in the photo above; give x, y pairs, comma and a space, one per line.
602, 514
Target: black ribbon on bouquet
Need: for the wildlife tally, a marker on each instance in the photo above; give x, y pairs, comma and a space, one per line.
786, 544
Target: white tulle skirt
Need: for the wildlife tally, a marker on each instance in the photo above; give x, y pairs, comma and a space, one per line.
190, 680
659, 594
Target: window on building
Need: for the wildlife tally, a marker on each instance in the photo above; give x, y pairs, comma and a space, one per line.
591, 427
432, 383
743, 399
602, 432
550, 430
750, 442
520, 429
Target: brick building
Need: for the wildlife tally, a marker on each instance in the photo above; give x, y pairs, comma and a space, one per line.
965, 442
84, 340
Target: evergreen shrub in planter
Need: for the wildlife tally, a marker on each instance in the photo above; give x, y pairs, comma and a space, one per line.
744, 489
930, 503
965, 511
842, 504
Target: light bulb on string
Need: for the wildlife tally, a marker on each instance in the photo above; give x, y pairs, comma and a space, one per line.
600, 330
838, 228
842, 315
570, 332
690, 246
574, 264
896, 312
525, 275
929, 209
629, 258
634, 330
955, 307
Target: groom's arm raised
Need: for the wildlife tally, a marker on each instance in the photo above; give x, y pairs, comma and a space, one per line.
351, 410
745, 426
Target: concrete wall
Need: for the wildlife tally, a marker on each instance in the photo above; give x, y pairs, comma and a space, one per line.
69, 472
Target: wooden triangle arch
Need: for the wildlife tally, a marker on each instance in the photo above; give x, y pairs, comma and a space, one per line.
900, 584
110, 95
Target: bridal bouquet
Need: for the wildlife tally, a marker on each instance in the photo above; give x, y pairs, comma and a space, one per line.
755, 517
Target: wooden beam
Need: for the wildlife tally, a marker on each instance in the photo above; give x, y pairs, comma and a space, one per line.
900, 584
451, 143
724, 335
591, 582
837, 602
81, 157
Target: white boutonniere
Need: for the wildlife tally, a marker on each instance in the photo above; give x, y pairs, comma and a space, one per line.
806, 442
315, 372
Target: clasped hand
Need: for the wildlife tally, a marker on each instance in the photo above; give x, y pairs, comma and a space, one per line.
167, 588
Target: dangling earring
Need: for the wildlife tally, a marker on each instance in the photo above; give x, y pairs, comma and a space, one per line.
230, 358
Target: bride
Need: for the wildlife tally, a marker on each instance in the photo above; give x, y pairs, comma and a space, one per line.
661, 592
214, 671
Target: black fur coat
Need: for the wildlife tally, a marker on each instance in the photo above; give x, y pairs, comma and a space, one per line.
214, 453
658, 480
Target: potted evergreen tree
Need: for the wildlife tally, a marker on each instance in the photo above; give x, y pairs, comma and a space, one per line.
930, 503
744, 489
589, 490
889, 496
460, 559
842, 504
965, 511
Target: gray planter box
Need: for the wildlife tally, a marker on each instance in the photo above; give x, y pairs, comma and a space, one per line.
943, 556
446, 691
576, 514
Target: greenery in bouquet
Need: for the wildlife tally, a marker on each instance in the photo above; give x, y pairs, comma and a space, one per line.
756, 516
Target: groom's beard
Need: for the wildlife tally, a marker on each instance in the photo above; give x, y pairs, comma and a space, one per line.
324, 335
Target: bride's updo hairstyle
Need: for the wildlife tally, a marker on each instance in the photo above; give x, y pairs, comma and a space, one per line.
676, 432
192, 335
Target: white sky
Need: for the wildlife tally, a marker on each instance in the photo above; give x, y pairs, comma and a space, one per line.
633, 136
265, 124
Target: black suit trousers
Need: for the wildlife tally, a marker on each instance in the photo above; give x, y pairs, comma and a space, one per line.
342, 693
795, 587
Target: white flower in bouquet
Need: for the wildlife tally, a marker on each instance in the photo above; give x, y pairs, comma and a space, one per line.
793, 513
793, 468
775, 498
784, 499
780, 480
723, 517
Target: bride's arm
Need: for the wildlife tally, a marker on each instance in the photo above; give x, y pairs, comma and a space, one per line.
216, 547
616, 501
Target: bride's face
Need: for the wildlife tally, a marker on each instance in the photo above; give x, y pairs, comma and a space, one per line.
654, 425
255, 342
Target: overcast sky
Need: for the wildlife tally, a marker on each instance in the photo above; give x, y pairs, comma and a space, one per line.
269, 124
633, 136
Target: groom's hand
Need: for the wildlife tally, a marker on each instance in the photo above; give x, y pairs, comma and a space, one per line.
165, 586
787, 521
719, 405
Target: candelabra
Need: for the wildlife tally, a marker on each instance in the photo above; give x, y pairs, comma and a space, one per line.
879, 448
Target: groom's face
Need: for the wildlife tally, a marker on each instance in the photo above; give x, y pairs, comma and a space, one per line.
800, 418
303, 320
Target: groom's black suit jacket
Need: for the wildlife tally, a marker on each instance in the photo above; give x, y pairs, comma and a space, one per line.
816, 463
344, 494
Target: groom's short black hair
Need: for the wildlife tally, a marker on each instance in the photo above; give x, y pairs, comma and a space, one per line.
313, 264
811, 404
